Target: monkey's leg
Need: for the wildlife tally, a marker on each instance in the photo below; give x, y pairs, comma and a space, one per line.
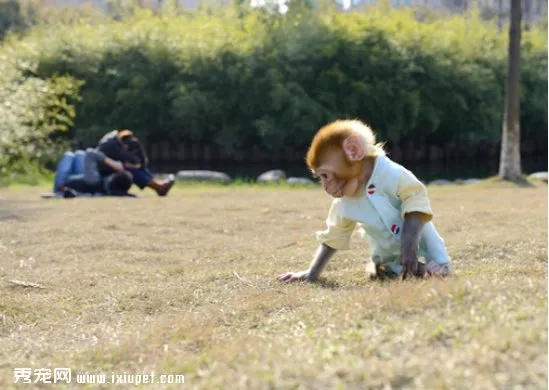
372, 271
380, 272
432, 268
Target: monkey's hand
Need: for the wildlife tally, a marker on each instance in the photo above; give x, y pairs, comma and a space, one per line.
411, 234
322, 255
294, 276
411, 267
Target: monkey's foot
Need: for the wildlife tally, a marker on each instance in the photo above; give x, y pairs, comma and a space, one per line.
379, 272
437, 270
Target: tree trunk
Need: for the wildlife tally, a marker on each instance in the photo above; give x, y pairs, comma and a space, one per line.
509, 165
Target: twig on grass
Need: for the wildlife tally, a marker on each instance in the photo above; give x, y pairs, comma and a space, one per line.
22, 283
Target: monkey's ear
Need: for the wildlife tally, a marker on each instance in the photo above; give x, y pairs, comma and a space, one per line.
354, 148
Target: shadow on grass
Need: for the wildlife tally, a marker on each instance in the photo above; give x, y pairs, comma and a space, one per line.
334, 285
7, 216
523, 182
18, 211
329, 284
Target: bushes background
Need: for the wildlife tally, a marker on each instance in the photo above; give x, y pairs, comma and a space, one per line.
238, 77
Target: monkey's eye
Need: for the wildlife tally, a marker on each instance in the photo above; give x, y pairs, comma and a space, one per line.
323, 176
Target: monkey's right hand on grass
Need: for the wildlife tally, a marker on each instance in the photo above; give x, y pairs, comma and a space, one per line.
323, 254
301, 276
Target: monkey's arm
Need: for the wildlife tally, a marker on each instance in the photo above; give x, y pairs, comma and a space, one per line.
336, 236
323, 254
321, 258
416, 211
411, 234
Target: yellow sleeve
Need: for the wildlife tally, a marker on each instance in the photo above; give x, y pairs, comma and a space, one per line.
337, 234
413, 195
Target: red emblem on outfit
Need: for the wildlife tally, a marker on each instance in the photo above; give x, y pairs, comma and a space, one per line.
395, 229
371, 189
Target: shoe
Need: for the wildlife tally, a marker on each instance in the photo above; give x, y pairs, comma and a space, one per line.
69, 193
165, 187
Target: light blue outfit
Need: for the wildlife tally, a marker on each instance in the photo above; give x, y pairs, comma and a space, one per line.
391, 192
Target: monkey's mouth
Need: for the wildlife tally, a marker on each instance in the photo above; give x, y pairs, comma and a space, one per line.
337, 194
334, 190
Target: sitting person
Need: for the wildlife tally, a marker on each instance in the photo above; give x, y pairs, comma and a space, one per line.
123, 146
82, 165
77, 174
90, 181
116, 184
71, 163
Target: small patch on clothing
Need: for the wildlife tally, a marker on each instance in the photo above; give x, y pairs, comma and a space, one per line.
395, 229
371, 189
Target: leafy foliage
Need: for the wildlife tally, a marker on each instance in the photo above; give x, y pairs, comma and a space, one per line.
32, 111
237, 76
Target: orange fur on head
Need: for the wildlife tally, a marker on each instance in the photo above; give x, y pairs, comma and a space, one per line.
330, 138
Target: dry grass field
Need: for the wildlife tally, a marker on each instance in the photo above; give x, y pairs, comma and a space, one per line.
186, 285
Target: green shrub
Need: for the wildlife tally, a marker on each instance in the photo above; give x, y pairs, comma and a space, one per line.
238, 77
33, 112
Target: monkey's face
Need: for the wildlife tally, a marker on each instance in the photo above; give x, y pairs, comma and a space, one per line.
337, 156
339, 177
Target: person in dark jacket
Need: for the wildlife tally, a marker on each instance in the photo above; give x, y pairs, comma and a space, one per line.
124, 146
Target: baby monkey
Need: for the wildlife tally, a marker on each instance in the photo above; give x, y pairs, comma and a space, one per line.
383, 199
